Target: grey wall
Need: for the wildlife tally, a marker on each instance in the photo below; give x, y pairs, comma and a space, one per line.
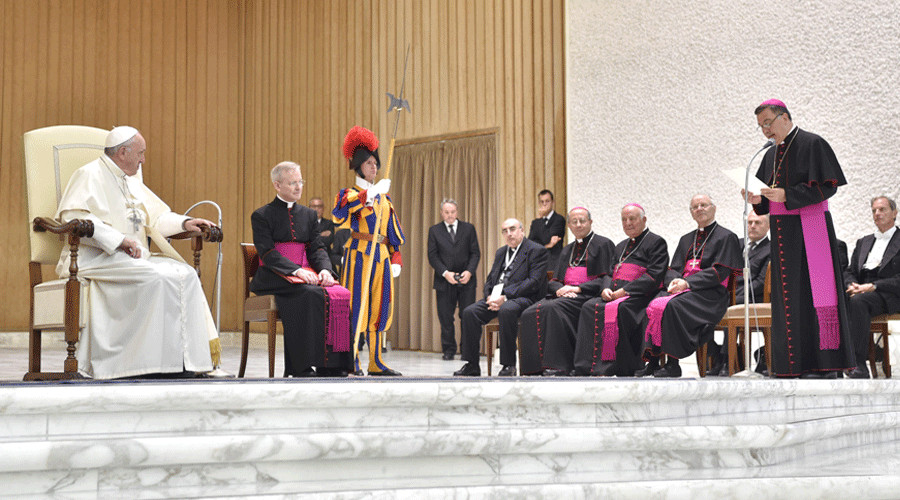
660, 97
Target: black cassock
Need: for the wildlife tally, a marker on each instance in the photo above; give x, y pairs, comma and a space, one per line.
806, 167
649, 251
690, 317
303, 308
548, 326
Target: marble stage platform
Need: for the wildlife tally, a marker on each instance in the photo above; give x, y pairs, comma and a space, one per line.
451, 438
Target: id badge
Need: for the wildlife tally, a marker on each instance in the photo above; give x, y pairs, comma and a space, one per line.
497, 290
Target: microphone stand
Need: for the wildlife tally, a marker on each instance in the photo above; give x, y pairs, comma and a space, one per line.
747, 372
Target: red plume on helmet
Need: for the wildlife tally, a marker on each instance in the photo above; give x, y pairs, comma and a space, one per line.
359, 136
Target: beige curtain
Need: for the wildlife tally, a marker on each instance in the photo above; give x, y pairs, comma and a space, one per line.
462, 167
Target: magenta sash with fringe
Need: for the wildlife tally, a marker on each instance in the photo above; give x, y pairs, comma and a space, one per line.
821, 268
658, 305
624, 271
576, 276
338, 329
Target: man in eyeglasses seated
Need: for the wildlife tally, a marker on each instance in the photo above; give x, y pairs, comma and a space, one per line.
549, 325
517, 280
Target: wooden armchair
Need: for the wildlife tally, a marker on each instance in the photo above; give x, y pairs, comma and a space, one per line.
760, 315
52, 154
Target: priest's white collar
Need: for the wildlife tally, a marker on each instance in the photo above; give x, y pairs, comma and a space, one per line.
363, 184
290, 204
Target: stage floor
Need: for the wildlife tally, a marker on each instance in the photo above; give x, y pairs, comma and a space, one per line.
14, 359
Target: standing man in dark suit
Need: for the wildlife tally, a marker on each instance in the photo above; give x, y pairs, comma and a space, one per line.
549, 228
454, 254
517, 280
873, 279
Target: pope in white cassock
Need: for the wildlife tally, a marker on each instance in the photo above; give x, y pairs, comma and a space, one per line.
147, 313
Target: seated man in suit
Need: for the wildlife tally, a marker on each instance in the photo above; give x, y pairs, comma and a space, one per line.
760, 247
294, 266
517, 279
547, 328
324, 225
454, 254
683, 316
873, 279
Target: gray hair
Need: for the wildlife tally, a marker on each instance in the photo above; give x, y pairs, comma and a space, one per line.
711, 201
449, 200
579, 208
281, 168
114, 150
891, 202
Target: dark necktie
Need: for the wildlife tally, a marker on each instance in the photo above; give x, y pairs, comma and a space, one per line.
452, 233
752, 246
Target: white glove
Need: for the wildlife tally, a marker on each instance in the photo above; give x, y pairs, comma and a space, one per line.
395, 270
381, 187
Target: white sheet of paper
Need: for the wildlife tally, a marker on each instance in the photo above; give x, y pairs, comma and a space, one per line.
497, 290
737, 175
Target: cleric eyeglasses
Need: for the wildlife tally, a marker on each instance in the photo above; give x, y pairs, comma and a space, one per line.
768, 124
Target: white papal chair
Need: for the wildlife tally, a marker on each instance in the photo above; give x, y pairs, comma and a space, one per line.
52, 154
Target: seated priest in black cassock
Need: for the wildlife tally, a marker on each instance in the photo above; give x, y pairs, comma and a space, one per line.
549, 325
517, 280
611, 327
683, 317
294, 266
873, 279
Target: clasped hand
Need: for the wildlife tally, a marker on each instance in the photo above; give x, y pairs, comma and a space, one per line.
324, 278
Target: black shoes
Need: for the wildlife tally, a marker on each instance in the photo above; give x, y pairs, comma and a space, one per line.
468, 370
668, 371
859, 372
823, 375
448, 356
507, 371
331, 372
647, 370
550, 372
387, 372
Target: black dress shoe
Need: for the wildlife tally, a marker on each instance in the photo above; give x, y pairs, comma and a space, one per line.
578, 372
823, 375
387, 372
668, 371
448, 356
859, 372
647, 370
468, 370
549, 372
359, 373
331, 372
507, 371
309, 372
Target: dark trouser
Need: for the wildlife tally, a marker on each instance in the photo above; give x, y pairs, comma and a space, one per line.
477, 314
447, 301
863, 306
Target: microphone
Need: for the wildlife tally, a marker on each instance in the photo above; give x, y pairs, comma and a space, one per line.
769, 144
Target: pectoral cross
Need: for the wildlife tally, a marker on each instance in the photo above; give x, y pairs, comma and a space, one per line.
135, 218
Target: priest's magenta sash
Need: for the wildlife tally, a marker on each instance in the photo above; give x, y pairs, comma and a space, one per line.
576, 276
624, 271
338, 330
821, 268
658, 305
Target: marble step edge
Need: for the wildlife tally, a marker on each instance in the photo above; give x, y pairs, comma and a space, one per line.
94, 452
237, 395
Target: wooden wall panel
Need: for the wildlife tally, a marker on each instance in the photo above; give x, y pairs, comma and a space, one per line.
222, 91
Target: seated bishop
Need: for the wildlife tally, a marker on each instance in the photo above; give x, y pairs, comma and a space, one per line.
611, 327
148, 314
547, 328
684, 315
295, 267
